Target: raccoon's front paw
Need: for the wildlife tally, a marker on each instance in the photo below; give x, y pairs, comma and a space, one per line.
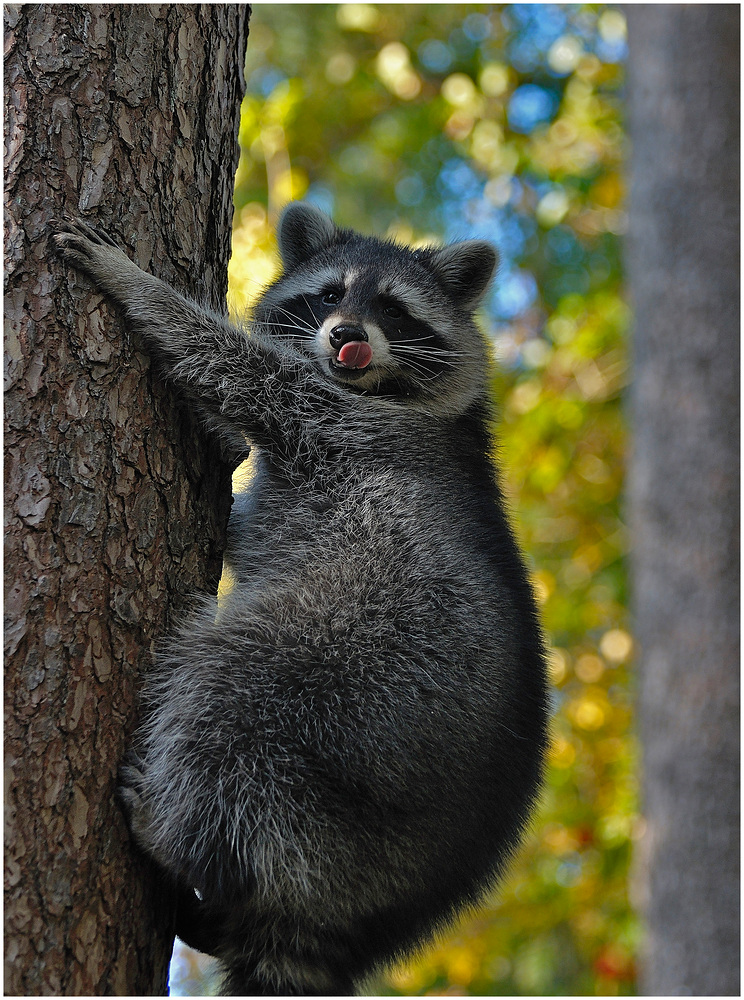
131, 794
79, 242
92, 251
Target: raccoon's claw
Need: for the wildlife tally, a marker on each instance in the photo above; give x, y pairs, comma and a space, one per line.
130, 791
132, 769
70, 227
80, 244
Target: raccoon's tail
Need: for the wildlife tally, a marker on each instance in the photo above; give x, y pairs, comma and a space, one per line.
243, 980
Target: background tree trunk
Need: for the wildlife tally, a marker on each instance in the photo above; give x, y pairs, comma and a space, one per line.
684, 277
116, 503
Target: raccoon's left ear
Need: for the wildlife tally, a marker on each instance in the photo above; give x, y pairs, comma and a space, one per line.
303, 230
465, 269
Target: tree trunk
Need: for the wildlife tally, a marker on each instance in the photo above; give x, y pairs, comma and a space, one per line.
683, 262
116, 503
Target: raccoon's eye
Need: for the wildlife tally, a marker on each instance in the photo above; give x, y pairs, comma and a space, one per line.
394, 312
331, 298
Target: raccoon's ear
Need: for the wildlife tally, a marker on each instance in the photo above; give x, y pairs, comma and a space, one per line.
303, 231
465, 269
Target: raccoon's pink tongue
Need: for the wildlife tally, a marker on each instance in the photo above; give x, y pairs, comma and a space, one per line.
355, 354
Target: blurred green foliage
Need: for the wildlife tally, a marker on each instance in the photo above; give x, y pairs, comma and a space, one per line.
430, 122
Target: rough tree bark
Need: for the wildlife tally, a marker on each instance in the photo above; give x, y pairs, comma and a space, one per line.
683, 261
116, 503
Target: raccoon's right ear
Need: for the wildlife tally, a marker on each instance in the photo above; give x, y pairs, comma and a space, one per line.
303, 231
466, 269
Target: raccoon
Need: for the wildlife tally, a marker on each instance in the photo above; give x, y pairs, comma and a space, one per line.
339, 758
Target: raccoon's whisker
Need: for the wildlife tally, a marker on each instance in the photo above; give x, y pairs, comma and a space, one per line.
289, 323
424, 376
406, 357
423, 373
414, 340
299, 322
423, 355
292, 316
405, 345
312, 312
287, 335
422, 342
412, 361
291, 326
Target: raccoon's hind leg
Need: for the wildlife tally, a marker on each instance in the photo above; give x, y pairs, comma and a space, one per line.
197, 925
131, 795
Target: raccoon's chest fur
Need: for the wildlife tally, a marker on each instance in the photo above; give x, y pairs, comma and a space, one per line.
364, 571
366, 518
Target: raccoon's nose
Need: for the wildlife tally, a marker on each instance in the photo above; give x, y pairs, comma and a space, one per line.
345, 332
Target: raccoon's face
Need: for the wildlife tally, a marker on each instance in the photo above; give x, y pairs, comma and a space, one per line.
379, 318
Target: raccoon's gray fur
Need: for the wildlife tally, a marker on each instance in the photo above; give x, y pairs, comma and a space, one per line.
340, 757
